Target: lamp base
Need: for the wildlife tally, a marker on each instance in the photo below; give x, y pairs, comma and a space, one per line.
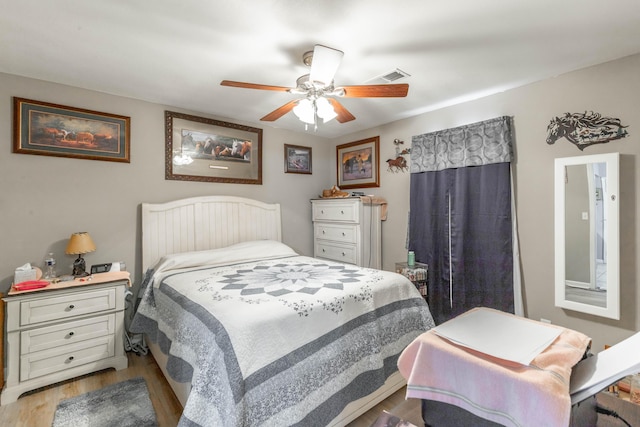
79, 267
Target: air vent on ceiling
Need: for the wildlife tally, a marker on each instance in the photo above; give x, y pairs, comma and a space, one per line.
394, 75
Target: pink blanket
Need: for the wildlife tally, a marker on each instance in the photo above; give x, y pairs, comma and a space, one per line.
504, 392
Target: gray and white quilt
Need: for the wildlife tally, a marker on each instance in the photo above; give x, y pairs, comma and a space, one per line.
271, 338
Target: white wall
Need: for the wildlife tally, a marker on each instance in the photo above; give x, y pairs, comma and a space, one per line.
612, 89
44, 199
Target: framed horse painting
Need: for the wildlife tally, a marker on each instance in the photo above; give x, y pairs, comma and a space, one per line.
47, 129
203, 149
358, 163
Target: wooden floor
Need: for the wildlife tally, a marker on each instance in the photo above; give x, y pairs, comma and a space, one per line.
36, 408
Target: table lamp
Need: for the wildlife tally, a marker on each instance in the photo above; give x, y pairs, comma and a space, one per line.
79, 244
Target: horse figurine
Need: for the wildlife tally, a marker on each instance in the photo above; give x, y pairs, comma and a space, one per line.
585, 129
399, 164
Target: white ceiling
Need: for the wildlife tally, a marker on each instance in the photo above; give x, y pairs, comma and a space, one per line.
177, 52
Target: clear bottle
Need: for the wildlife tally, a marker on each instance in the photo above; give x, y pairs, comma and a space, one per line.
50, 267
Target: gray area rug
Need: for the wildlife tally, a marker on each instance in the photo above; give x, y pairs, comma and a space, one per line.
122, 404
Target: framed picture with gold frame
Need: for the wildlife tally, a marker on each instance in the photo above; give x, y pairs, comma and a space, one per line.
358, 163
203, 149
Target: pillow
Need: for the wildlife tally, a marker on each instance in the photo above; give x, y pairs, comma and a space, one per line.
240, 252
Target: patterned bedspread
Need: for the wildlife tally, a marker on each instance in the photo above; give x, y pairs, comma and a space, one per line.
270, 338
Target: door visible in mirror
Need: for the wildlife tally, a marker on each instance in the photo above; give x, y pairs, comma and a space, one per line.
586, 234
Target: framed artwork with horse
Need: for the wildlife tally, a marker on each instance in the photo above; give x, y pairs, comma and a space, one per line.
203, 149
358, 163
48, 129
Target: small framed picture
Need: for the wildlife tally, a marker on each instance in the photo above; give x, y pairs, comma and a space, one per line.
297, 159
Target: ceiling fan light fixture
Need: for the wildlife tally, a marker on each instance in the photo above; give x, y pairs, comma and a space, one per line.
325, 110
305, 111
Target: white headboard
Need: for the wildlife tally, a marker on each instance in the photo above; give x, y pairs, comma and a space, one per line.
207, 222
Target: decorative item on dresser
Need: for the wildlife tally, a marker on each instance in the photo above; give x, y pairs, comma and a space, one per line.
72, 328
349, 230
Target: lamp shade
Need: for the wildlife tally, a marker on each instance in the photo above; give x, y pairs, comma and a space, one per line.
80, 243
325, 110
304, 110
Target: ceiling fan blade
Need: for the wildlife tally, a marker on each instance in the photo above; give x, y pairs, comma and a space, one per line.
253, 86
343, 114
279, 112
376, 91
324, 64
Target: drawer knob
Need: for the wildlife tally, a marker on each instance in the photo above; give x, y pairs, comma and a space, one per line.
70, 359
71, 333
342, 212
343, 254
321, 211
323, 250
71, 307
323, 232
343, 234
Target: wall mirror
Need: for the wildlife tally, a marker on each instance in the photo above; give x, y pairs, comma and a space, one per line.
587, 273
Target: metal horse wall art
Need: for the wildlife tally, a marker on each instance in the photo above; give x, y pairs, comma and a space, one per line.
399, 164
585, 129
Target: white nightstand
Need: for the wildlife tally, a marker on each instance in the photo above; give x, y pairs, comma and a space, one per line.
69, 329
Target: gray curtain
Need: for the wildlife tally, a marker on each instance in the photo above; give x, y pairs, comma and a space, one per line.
461, 217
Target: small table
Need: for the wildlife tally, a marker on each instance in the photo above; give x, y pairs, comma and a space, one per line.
416, 273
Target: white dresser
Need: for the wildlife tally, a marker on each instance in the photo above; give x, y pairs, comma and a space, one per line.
347, 230
55, 335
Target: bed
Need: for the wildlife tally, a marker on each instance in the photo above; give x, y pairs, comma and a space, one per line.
248, 332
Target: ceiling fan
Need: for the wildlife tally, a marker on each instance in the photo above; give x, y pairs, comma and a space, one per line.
319, 90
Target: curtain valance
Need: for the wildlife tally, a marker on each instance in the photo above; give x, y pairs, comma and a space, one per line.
476, 144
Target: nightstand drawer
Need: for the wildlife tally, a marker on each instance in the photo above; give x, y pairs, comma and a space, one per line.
336, 252
338, 232
67, 333
66, 357
336, 211
66, 306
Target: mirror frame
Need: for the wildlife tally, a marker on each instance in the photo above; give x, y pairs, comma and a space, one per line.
612, 309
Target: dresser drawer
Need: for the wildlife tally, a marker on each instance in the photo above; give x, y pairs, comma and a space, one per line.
336, 252
67, 333
66, 306
346, 233
336, 211
41, 363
